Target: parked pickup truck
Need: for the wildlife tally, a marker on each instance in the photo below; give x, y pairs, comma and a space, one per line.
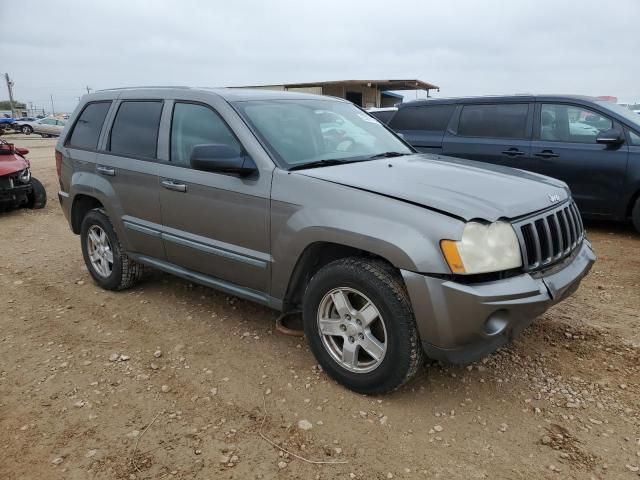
301, 202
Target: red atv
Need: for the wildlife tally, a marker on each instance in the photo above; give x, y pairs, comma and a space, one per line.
17, 187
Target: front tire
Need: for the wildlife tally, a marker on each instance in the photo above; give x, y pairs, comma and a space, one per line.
27, 130
104, 257
360, 326
38, 195
635, 215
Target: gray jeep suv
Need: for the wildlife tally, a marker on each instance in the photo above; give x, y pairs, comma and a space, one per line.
304, 202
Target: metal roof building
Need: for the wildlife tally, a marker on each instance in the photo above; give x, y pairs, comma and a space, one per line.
365, 93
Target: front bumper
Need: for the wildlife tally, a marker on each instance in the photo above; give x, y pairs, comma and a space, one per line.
461, 323
15, 195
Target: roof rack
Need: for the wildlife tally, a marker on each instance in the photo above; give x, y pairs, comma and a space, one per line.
183, 87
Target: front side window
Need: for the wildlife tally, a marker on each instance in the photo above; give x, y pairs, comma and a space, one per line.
87, 129
135, 129
194, 124
567, 123
634, 137
431, 118
304, 131
48, 121
494, 121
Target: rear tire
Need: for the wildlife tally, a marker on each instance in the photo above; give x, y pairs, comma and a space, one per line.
635, 215
38, 195
104, 257
396, 356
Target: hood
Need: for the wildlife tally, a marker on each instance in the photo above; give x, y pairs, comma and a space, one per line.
11, 164
462, 188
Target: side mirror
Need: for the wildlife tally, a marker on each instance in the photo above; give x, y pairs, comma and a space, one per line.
613, 136
22, 151
223, 159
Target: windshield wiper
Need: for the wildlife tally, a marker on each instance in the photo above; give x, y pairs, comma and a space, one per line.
387, 155
322, 163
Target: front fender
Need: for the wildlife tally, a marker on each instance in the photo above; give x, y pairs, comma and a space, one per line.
406, 235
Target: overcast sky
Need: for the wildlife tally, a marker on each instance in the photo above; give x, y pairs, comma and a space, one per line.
467, 47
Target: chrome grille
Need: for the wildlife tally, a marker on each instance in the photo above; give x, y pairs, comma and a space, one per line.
549, 237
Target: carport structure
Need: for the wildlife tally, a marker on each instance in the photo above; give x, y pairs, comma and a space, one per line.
365, 93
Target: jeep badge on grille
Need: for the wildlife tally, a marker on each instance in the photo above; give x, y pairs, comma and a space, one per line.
554, 198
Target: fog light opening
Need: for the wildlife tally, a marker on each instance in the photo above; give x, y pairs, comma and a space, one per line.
497, 323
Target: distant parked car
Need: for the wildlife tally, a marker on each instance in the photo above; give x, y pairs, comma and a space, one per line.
20, 122
46, 127
593, 145
383, 114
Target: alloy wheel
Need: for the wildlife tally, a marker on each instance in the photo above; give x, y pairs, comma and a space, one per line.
352, 330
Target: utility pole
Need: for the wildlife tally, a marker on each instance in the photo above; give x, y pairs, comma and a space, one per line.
53, 110
10, 88
88, 89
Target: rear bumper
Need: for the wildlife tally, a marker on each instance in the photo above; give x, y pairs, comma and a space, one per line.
461, 323
65, 204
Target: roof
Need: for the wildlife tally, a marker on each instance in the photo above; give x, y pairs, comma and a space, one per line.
526, 97
229, 94
382, 85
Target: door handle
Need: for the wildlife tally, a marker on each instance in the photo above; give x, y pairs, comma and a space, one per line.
513, 152
175, 186
101, 169
546, 154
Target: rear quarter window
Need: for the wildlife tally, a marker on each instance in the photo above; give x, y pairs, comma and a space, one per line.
86, 131
426, 117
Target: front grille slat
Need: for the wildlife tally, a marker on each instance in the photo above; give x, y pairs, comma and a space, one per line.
547, 238
572, 226
549, 242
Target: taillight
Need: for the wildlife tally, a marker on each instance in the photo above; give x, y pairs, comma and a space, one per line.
58, 163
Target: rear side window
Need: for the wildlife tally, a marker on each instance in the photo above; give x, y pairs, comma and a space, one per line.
494, 121
135, 129
429, 117
194, 124
87, 129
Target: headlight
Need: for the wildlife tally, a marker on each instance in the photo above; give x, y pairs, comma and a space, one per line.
483, 248
25, 175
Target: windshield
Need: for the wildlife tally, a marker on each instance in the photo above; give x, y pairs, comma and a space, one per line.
304, 131
628, 114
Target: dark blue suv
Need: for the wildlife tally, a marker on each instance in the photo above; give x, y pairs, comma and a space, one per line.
593, 145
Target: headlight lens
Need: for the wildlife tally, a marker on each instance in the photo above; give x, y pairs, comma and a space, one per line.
483, 248
25, 175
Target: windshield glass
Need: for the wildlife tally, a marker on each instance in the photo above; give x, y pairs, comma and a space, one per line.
628, 114
304, 131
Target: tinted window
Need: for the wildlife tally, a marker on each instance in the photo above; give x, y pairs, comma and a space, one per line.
494, 121
635, 138
432, 117
87, 129
135, 129
566, 123
48, 121
383, 115
196, 125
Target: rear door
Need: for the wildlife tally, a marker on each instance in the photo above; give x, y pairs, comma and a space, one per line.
127, 162
497, 133
423, 126
565, 147
213, 223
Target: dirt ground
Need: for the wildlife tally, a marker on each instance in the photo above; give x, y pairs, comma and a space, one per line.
172, 380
